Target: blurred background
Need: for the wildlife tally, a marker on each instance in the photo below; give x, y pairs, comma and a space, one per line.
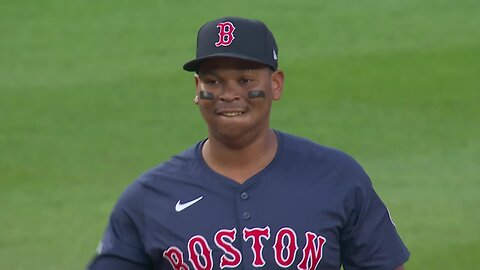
92, 94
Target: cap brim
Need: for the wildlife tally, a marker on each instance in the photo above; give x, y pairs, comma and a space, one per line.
195, 63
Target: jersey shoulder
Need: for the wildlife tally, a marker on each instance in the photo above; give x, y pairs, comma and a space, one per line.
299, 147
178, 168
311, 155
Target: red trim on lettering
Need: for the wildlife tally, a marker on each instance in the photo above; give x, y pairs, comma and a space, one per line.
205, 253
232, 257
312, 252
175, 256
257, 246
291, 248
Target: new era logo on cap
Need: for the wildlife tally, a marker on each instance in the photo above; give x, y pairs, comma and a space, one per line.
238, 38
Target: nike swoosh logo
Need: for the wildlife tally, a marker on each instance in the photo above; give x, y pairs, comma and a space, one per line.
182, 206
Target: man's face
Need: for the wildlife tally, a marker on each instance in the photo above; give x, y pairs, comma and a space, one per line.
233, 113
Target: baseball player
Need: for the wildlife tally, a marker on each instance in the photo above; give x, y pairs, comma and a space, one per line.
248, 196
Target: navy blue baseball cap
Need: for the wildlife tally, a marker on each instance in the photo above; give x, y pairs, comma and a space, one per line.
238, 38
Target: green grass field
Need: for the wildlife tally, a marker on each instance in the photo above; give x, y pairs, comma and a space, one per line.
92, 94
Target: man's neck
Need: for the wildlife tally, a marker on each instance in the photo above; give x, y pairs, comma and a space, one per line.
240, 163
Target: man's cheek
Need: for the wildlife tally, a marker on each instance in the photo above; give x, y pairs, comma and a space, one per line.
256, 94
205, 95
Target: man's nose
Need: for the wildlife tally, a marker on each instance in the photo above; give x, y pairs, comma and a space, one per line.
230, 93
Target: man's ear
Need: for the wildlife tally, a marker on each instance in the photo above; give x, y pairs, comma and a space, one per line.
197, 83
197, 88
278, 79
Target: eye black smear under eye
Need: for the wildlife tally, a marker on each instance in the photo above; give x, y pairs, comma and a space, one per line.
256, 94
206, 95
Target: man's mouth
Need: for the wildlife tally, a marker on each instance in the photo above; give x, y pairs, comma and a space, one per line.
231, 114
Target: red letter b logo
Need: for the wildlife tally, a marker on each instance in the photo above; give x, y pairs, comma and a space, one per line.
225, 35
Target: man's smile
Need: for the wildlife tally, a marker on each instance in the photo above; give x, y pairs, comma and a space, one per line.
231, 114
230, 110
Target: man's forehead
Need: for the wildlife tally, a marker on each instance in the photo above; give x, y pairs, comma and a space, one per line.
217, 64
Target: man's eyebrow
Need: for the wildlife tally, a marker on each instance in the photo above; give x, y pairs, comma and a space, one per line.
214, 72
207, 72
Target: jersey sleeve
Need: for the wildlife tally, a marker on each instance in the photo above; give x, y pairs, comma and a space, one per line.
122, 245
369, 239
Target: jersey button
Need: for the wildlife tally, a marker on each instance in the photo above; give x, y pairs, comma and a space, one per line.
244, 195
246, 215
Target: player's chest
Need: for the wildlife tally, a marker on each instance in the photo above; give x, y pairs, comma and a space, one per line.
245, 228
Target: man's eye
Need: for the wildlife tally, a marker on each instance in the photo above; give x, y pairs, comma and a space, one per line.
245, 80
211, 82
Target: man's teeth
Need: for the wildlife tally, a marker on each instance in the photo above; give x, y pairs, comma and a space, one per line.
231, 114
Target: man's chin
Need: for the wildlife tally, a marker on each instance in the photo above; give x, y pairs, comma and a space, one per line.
234, 137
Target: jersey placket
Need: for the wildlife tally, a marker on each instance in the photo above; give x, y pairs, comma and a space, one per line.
253, 237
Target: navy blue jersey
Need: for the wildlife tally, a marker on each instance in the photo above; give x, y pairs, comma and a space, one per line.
312, 207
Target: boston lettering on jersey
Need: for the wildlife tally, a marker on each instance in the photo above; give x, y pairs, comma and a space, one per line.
285, 249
